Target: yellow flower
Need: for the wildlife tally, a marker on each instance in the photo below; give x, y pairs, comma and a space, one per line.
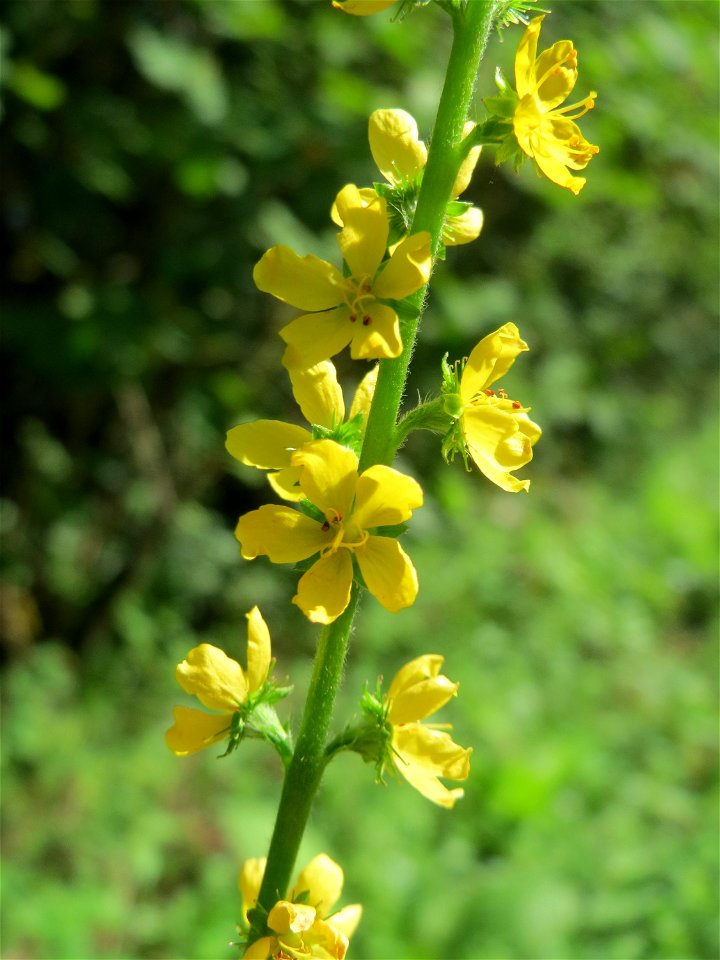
351, 506
220, 684
495, 430
362, 8
401, 157
422, 752
303, 925
347, 310
270, 444
545, 132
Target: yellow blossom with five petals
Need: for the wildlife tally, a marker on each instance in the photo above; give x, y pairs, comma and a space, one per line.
545, 131
221, 684
495, 430
304, 924
347, 309
351, 505
270, 444
423, 752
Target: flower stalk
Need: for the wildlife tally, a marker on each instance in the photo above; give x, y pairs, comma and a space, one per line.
471, 27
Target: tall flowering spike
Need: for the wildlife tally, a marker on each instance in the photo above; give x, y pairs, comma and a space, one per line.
270, 444
545, 131
423, 752
401, 157
495, 430
305, 924
347, 310
221, 684
351, 506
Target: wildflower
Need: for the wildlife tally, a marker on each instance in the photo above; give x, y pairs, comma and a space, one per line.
302, 926
347, 309
270, 444
423, 752
401, 157
348, 507
495, 430
219, 683
543, 130
362, 8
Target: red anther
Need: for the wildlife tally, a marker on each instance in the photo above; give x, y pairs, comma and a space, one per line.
516, 404
353, 318
367, 321
325, 527
489, 393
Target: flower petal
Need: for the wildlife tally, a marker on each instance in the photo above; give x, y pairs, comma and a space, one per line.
305, 282
422, 754
364, 394
282, 534
379, 338
384, 497
259, 653
266, 444
286, 917
556, 73
388, 572
395, 145
324, 591
467, 167
194, 730
329, 477
322, 881
418, 690
525, 80
262, 949
209, 674
407, 270
318, 394
490, 360
363, 238
250, 880
313, 337
362, 8
463, 228
497, 445
347, 919
286, 483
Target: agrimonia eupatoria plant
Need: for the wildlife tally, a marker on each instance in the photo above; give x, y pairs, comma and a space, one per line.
345, 505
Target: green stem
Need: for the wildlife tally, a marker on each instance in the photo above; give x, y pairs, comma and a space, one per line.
471, 30
305, 770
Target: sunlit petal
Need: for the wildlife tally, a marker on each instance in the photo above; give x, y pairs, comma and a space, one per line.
324, 591
395, 145
388, 573
363, 239
305, 282
267, 444
314, 337
215, 679
328, 477
194, 730
318, 394
407, 270
280, 533
322, 880
259, 653
385, 497
379, 338
490, 360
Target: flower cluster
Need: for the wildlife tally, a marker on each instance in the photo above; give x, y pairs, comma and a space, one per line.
304, 924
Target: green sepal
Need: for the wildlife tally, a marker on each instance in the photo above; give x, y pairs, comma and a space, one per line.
348, 434
310, 510
406, 311
503, 107
456, 208
393, 530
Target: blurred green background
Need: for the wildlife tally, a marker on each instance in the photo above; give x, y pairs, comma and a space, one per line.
151, 152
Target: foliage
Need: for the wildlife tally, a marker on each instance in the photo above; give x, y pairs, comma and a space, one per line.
151, 153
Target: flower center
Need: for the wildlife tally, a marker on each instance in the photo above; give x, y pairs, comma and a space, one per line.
495, 398
348, 535
358, 297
